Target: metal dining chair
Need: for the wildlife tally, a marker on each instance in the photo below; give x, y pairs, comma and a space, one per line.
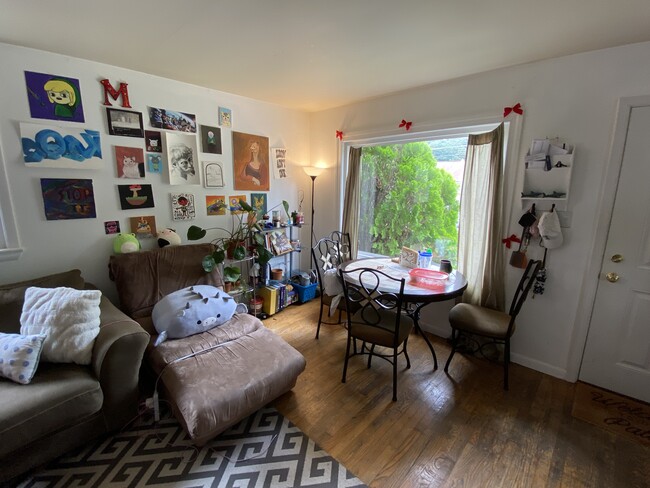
498, 327
344, 246
326, 256
375, 317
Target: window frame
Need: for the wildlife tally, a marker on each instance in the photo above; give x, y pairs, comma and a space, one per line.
10, 249
442, 130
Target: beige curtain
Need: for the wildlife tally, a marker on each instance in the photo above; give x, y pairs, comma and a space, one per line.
351, 200
480, 253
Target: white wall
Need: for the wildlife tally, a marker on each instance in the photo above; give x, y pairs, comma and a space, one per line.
53, 246
573, 97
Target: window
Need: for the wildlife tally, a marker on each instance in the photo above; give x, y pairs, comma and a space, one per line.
410, 192
9, 248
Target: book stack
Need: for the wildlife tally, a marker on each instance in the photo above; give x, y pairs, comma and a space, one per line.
276, 297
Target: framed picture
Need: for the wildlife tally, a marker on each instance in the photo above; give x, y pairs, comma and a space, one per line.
250, 162
65, 199
54, 97
212, 174
60, 147
225, 117
183, 206
124, 122
181, 159
210, 139
279, 159
215, 204
112, 227
129, 162
233, 203
161, 118
135, 196
154, 163
153, 139
259, 202
143, 227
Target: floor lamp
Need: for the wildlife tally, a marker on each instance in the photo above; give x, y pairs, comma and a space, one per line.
312, 172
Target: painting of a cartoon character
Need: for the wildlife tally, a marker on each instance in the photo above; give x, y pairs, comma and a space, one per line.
54, 97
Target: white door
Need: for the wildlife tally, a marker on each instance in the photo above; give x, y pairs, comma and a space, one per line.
617, 352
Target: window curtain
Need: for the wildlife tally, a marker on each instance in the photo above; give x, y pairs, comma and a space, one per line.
351, 200
480, 253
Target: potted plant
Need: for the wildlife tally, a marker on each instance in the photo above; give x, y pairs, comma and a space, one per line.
231, 275
244, 232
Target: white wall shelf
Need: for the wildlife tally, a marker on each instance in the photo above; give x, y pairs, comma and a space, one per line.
548, 186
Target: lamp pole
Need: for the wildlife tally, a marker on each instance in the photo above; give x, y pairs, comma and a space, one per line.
312, 172
311, 236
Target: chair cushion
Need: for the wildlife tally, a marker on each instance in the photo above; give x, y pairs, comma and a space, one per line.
245, 367
384, 335
480, 320
60, 395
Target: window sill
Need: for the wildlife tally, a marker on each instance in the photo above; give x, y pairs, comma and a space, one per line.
10, 254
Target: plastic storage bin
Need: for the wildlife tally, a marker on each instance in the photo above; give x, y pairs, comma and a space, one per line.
305, 293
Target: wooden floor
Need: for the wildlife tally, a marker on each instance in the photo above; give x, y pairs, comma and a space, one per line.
461, 430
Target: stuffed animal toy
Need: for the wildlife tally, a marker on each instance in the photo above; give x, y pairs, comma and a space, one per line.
125, 243
168, 237
193, 310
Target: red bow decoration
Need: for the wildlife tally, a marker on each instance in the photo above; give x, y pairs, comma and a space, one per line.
405, 124
339, 135
516, 109
509, 240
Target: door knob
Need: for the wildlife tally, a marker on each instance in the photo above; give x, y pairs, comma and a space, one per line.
612, 277
617, 258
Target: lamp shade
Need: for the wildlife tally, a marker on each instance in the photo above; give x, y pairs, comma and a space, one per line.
313, 171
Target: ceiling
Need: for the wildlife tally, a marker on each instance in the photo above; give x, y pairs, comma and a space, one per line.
313, 55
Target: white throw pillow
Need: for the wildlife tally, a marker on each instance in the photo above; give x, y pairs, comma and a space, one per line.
19, 356
69, 318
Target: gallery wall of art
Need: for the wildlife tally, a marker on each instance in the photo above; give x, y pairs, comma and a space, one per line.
91, 150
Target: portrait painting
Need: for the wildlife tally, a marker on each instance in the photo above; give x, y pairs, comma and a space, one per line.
112, 227
65, 199
182, 162
250, 162
215, 204
54, 97
129, 162
210, 139
124, 122
212, 174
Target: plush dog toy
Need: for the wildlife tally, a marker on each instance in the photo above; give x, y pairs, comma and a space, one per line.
125, 243
168, 237
193, 310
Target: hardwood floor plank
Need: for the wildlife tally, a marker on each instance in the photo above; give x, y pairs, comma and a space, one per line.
454, 430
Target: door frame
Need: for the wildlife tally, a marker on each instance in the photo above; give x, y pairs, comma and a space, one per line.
606, 199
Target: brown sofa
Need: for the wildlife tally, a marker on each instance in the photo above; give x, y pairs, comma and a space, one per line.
66, 405
216, 378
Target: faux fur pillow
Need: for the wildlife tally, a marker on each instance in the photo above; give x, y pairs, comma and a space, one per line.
69, 318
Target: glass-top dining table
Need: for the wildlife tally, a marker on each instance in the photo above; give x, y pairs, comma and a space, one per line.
415, 297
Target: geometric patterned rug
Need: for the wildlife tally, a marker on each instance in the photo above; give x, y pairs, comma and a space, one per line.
264, 450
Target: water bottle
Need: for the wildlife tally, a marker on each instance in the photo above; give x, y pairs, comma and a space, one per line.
424, 259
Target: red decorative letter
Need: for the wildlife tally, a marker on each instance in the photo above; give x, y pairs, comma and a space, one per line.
109, 90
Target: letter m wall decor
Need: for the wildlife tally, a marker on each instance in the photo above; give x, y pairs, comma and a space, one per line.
115, 94
60, 147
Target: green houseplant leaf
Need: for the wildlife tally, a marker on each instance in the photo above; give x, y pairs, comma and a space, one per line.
231, 273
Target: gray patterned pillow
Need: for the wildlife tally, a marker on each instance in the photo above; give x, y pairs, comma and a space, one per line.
19, 356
